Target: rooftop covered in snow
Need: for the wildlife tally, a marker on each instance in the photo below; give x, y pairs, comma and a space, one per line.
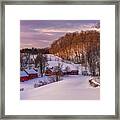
31, 71
23, 74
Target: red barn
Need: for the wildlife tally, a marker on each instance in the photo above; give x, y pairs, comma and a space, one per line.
23, 76
32, 73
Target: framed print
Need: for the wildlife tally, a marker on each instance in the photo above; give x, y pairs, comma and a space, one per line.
60, 60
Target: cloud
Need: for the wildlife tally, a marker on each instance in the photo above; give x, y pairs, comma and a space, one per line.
51, 31
49, 34
42, 33
41, 44
45, 41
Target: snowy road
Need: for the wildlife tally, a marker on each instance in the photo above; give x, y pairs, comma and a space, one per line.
74, 87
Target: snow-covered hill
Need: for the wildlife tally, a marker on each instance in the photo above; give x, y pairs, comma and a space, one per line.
55, 60
63, 65
51, 57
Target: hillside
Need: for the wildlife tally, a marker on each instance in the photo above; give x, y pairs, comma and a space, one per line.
81, 48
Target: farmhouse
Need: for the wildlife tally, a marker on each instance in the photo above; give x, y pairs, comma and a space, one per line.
32, 73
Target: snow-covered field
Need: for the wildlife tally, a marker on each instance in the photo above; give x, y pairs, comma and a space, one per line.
73, 87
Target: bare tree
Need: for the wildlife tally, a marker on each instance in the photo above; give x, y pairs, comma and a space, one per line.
40, 62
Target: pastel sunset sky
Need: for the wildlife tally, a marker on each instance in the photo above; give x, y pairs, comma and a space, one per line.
41, 33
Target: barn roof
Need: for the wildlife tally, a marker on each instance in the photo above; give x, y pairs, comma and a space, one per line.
31, 71
23, 74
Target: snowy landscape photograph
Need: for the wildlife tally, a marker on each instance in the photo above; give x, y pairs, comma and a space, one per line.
59, 59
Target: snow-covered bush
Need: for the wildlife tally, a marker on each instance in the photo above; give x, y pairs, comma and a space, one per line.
46, 81
94, 83
21, 89
37, 85
51, 78
42, 83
